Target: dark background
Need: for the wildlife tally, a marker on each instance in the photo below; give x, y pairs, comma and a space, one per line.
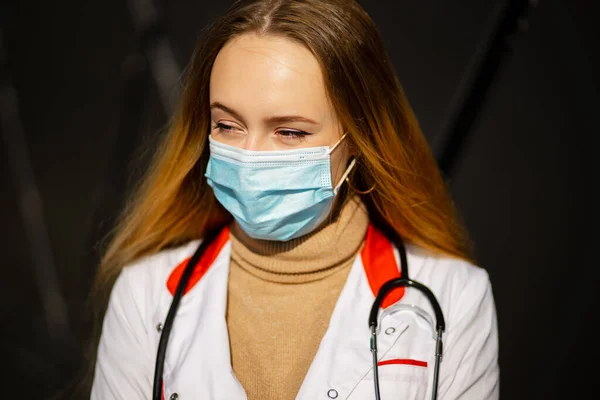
523, 180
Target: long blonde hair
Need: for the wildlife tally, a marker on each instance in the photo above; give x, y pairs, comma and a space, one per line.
397, 174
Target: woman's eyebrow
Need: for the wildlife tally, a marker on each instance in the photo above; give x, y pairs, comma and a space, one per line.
228, 110
270, 120
289, 118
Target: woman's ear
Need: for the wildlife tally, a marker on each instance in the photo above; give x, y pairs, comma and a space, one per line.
352, 150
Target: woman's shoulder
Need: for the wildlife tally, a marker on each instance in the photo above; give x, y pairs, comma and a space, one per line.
147, 276
163, 261
461, 286
451, 271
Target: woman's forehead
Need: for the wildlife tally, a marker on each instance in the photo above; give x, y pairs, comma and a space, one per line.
260, 73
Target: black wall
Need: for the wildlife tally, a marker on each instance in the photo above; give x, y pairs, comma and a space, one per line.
524, 181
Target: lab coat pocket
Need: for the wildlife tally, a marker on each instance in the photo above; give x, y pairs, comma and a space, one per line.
398, 379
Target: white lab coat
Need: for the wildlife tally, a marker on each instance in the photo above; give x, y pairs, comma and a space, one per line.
198, 362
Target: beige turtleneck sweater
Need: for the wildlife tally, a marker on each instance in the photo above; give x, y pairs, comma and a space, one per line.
280, 298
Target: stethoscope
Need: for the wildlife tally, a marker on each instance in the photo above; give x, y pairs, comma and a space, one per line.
403, 281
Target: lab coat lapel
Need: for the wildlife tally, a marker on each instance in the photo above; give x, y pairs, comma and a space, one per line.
344, 356
198, 361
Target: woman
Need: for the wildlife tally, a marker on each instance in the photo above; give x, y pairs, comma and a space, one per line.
294, 143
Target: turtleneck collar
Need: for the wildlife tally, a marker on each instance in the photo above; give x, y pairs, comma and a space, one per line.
308, 258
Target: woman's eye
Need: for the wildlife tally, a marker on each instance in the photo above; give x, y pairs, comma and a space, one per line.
285, 133
222, 128
293, 134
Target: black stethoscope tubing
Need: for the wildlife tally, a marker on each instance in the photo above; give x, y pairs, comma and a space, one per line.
440, 323
403, 281
168, 324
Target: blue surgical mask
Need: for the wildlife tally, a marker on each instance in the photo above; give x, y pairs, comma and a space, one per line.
274, 195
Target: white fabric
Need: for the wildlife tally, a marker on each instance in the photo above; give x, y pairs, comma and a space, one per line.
198, 357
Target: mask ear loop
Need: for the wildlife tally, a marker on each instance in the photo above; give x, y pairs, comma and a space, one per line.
332, 148
345, 176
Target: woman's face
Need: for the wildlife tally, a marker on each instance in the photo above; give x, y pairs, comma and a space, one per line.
267, 93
